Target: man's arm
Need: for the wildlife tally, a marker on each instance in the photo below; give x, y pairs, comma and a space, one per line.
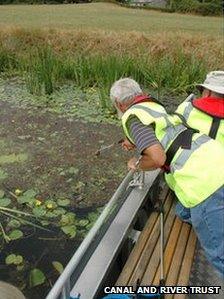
152, 158
153, 154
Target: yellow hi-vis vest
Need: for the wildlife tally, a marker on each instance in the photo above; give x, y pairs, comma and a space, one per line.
198, 119
194, 174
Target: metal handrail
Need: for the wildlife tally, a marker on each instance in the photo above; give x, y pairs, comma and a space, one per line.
62, 285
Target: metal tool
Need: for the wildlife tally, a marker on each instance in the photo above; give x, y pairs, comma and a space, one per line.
106, 147
138, 178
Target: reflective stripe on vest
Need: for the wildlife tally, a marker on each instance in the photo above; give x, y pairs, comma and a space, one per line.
185, 155
193, 175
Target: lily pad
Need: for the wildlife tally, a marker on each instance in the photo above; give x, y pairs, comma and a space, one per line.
4, 202
69, 230
50, 204
14, 223
67, 219
27, 197
10, 259
63, 202
3, 174
2, 193
39, 211
15, 234
73, 170
93, 216
83, 222
13, 259
58, 266
36, 277
45, 222
13, 158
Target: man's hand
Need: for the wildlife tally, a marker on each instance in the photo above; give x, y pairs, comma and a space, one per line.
132, 164
127, 145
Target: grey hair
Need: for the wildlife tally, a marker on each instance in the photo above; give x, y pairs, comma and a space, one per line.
124, 90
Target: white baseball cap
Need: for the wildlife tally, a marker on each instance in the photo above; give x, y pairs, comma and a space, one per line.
214, 81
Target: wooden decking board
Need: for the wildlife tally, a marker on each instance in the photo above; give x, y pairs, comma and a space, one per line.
186, 263
178, 255
144, 262
137, 251
149, 248
139, 247
169, 250
155, 258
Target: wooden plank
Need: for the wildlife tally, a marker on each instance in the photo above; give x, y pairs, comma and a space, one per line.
155, 258
139, 247
187, 263
169, 250
149, 247
137, 251
175, 267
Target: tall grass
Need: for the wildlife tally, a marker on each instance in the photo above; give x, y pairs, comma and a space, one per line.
48, 59
45, 70
40, 77
8, 61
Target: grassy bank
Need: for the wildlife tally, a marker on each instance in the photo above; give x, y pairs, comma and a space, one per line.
48, 58
158, 54
105, 16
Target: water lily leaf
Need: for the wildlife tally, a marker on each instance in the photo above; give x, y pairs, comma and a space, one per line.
14, 223
18, 260
30, 193
15, 234
45, 222
83, 222
13, 259
36, 277
63, 202
3, 174
51, 215
4, 202
69, 230
59, 211
67, 219
27, 197
93, 216
58, 266
2, 193
73, 170
50, 204
10, 259
13, 158
79, 185
39, 211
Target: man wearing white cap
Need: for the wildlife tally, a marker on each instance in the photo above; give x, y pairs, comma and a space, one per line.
207, 113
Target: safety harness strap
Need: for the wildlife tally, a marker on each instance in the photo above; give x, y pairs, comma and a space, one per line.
214, 127
183, 140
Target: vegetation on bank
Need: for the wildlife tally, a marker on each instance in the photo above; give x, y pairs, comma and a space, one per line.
200, 7
203, 7
49, 58
112, 18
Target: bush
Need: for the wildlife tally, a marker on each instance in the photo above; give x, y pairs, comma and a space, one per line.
206, 9
183, 5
